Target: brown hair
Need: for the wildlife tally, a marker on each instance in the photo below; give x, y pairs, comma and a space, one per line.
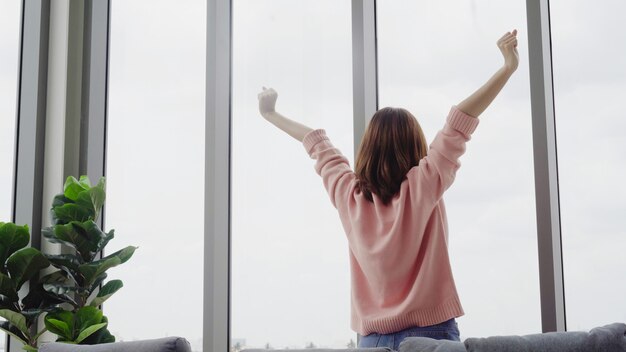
392, 144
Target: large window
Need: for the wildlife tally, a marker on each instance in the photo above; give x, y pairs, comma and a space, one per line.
290, 267
432, 55
589, 49
155, 167
9, 54
9, 42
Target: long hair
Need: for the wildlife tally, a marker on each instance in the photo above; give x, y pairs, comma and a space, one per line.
393, 143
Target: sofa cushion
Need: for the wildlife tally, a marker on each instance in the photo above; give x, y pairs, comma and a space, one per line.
371, 349
166, 344
426, 344
609, 338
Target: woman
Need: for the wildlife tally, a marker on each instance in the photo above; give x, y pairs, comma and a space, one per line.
392, 211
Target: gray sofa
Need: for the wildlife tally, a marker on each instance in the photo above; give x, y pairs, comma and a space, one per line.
609, 338
167, 344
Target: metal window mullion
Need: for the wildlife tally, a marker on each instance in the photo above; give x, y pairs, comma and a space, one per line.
216, 298
364, 66
546, 171
364, 70
92, 154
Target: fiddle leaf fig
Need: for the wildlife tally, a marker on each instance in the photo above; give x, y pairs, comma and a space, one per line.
7, 288
13, 331
85, 237
89, 331
75, 327
72, 212
24, 264
69, 263
94, 269
75, 280
106, 292
61, 322
74, 187
12, 238
92, 199
16, 319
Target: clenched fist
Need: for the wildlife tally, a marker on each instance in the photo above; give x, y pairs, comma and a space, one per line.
267, 101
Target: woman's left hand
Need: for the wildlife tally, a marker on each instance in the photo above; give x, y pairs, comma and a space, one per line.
267, 101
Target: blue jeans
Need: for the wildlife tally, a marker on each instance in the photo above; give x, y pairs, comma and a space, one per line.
448, 330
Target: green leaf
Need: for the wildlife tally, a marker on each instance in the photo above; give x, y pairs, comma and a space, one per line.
59, 327
96, 283
84, 180
72, 212
106, 292
123, 254
58, 201
61, 322
7, 288
84, 237
52, 289
12, 238
109, 236
69, 263
38, 298
92, 199
97, 238
75, 327
92, 270
16, 319
59, 289
101, 336
55, 277
29, 348
89, 331
86, 317
73, 187
24, 264
13, 331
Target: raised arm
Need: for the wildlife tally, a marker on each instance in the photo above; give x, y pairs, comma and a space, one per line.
476, 103
267, 103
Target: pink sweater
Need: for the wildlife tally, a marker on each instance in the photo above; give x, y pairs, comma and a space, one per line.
400, 269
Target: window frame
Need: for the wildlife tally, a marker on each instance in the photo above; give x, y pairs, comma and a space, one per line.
28, 177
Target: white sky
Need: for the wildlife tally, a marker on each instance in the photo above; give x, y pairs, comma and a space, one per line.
290, 258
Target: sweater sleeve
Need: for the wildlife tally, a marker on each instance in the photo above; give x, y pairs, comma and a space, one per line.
436, 171
330, 164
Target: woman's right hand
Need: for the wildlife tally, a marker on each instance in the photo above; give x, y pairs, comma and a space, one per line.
508, 47
267, 101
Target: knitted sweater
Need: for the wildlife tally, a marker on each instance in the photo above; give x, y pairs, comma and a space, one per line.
399, 264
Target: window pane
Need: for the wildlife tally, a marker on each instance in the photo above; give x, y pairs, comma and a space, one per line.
10, 15
155, 167
589, 49
432, 55
9, 42
290, 268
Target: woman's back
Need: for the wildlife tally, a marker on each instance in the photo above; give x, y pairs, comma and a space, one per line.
401, 273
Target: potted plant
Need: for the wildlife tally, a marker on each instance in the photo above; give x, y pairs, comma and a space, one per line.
81, 274
70, 295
